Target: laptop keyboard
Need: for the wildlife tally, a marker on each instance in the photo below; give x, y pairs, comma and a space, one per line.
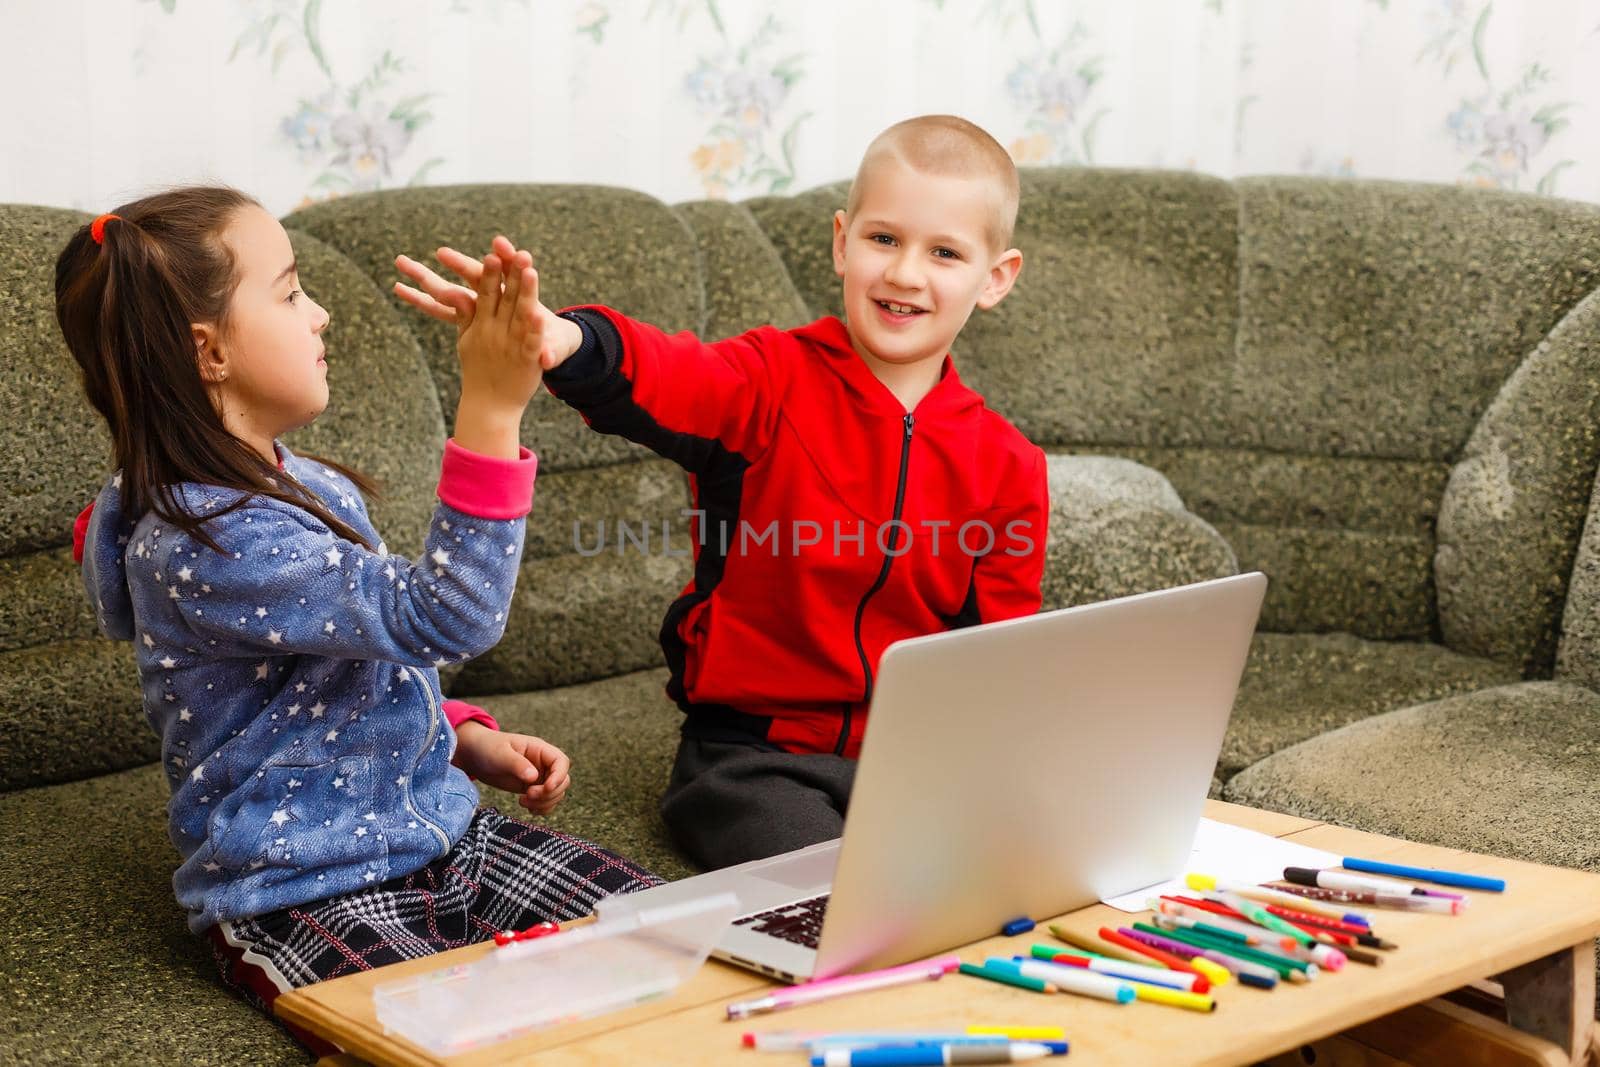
800, 922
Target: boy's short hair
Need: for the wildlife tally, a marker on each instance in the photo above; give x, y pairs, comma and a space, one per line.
948, 145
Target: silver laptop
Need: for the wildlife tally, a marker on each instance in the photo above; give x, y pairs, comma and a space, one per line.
1019, 768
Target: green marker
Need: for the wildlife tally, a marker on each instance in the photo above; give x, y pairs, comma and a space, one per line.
1006, 977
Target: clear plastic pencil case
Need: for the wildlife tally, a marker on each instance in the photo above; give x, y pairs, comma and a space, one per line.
627, 956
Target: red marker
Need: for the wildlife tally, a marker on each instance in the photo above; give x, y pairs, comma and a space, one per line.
1167, 959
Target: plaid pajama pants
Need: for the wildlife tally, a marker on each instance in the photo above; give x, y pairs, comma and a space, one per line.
502, 875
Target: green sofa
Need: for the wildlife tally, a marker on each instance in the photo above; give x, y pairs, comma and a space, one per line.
1383, 395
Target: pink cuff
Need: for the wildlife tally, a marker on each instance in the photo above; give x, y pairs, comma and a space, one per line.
459, 711
487, 487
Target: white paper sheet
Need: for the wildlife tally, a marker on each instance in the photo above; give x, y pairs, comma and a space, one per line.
1232, 853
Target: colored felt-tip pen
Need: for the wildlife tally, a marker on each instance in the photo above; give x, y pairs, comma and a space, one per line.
1205, 883
934, 1055
822, 1040
1071, 979
1426, 874
1342, 880
1128, 972
1382, 898
809, 992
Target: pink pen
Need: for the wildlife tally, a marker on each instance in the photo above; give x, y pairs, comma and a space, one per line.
921, 971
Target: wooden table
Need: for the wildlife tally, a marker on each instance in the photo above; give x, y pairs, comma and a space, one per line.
1537, 937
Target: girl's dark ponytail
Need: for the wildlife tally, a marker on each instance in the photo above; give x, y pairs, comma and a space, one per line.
126, 304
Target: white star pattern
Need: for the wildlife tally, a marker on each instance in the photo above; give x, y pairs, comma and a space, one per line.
441, 557
261, 613
275, 637
168, 662
334, 556
329, 626
116, 480
185, 715
361, 831
294, 709
317, 709
148, 643
279, 817
261, 672
185, 575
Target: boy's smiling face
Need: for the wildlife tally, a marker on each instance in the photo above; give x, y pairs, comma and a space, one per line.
917, 255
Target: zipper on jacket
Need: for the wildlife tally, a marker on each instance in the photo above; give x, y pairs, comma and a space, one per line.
427, 743
883, 576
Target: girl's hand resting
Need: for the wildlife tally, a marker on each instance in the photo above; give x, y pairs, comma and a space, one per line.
532, 768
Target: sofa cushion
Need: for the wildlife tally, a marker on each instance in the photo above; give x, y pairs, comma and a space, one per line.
1578, 654
100, 966
1377, 320
1508, 770
1118, 528
745, 282
1511, 514
1296, 686
1346, 541
621, 734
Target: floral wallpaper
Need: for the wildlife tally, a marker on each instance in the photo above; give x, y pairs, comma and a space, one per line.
303, 100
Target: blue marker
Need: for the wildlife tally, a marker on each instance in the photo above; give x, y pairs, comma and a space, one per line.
1016, 926
1425, 874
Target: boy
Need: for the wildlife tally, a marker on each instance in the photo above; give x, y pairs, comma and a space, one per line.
850, 490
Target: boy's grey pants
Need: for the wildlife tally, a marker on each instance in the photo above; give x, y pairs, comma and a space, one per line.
729, 802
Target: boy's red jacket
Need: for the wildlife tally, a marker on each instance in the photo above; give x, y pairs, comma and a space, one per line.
833, 523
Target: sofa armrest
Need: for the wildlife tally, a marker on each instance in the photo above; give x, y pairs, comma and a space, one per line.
1118, 528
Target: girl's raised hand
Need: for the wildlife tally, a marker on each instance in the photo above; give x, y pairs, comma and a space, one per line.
499, 348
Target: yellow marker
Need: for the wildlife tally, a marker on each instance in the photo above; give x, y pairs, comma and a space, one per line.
1215, 972
1176, 997
1020, 1033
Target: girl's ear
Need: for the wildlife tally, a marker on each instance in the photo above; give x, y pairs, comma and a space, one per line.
208, 354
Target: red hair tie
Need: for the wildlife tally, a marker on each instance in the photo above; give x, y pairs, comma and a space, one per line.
97, 228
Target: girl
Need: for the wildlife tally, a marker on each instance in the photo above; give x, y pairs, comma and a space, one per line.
321, 798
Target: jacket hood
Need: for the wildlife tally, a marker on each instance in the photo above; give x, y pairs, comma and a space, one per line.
105, 576
949, 396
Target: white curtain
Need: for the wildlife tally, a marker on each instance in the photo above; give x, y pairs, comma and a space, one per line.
300, 100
